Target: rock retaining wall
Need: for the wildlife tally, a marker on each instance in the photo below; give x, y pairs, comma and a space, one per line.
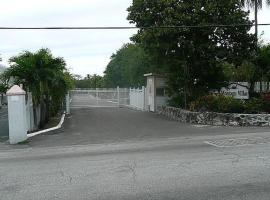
216, 119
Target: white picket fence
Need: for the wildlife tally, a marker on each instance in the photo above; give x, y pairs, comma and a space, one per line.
137, 98
262, 87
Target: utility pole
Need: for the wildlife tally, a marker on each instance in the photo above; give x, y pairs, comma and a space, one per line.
256, 22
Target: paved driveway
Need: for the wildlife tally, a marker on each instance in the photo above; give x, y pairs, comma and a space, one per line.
112, 125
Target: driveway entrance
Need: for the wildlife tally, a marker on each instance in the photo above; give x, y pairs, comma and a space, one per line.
98, 125
100, 97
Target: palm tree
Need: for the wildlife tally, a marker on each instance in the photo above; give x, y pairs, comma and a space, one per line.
256, 4
44, 75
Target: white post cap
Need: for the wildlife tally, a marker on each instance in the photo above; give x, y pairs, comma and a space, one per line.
15, 90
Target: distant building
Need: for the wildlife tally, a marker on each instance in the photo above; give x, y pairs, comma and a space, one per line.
237, 90
2, 68
156, 95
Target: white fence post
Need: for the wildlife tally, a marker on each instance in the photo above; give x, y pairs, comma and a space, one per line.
17, 115
143, 98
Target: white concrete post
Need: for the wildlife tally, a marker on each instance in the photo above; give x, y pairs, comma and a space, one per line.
118, 95
17, 115
143, 96
67, 103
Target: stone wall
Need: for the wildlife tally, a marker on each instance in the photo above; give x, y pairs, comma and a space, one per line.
216, 119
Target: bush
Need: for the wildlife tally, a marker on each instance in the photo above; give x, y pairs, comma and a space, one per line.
177, 101
224, 104
266, 106
218, 103
254, 105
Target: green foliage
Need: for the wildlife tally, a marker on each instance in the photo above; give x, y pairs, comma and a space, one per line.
225, 104
89, 81
264, 62
127, 67
42, 74
218, 103
3, 88
250, 71
193, 56
246, 72
254, 105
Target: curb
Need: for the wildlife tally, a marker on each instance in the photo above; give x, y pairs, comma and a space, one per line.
50, 129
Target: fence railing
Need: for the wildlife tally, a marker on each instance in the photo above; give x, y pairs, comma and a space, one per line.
137, 98
262, 87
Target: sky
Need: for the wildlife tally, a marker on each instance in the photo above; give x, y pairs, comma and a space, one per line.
85, 51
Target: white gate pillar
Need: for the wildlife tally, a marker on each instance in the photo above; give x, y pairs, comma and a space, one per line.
143, 98
17, 115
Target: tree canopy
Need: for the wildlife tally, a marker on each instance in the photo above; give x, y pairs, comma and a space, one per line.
42, 74
127, 67
94, 81
192, 57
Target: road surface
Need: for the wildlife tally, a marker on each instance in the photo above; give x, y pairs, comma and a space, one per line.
115, 154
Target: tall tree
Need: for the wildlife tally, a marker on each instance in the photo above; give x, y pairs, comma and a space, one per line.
192, 56
127, 67
256, 5
89, 81
42, 74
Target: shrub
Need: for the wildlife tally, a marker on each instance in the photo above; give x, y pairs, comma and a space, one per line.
266, 106
224, 104
254, 105
218, 103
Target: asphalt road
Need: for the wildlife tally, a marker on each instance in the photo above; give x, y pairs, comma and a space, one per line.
160, 169
86, 126
117, 153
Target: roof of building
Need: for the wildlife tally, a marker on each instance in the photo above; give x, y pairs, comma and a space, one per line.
154, 74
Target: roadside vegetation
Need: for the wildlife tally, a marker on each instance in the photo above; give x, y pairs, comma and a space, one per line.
42, 75
196, 59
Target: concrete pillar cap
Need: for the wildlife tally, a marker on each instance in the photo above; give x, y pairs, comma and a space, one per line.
15, 90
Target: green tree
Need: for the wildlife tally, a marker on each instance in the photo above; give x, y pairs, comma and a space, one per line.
44, 75
127, 67
264, 62
191, 57
89, 81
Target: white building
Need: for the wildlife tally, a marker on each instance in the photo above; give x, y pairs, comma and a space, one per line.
156, 95
237, 90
